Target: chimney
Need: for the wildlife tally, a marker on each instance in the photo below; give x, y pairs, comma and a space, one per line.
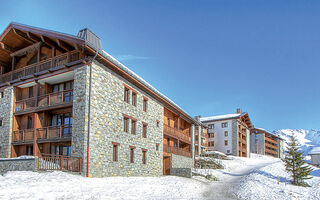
239, 110
198, 117
91, 38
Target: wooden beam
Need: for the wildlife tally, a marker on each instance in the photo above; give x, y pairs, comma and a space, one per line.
24, 51
6, 48
51, 43
64, 45
22, 35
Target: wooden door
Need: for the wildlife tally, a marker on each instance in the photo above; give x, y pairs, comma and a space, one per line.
166, 165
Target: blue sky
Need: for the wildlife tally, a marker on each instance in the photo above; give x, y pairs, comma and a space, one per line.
210, 57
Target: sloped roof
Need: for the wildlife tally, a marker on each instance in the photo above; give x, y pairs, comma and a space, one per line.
315, 150
220, 117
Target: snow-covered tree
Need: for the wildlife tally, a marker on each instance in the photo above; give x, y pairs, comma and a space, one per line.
295, 163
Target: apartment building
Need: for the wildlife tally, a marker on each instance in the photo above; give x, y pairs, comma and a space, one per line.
201, 140
63, 95
230, 133
265, 143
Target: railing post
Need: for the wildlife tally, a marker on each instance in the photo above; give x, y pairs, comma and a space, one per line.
61, 162
60, 134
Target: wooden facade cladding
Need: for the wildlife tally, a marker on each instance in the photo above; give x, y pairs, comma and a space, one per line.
242, 140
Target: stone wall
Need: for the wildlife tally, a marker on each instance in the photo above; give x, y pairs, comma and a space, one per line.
6, 113
18, 164
107, 127
178, 161
183, 172
235, 137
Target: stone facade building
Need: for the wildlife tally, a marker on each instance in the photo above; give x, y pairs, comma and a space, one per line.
63, 95
229, 134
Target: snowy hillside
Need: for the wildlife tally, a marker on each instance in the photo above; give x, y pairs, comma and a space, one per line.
307, 138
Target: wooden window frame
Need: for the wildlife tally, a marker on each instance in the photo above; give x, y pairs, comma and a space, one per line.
134, 98
125, 124
158, 123
1, 95
115, 151
132, 148
157, 146
1, 122
226, 134
226, 143
224, 125
133, 126
145, 104
144, 156
126, 95
144, 129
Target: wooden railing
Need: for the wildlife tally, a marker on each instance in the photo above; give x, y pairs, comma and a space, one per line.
270, 140
178, 151
271, 145
41, 66
55, 132
271, 151
204, 135
59, 162
23, 135
52, 99
203, 143
173, 132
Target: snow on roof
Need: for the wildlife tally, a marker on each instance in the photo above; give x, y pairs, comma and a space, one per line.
276, 135
315, 150
220, 117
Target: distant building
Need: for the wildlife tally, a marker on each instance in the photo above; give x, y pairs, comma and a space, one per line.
265, 143
230, 133
201, 140
315, 156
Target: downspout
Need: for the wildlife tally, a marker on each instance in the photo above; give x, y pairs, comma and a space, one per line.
89, 111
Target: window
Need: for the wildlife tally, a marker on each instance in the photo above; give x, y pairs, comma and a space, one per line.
226, 133
145, 104
145, 127
1, 95
157, 146
134, 98
29, 123
126, 124
30, 92
126, 95
211, 126
144, 156
133, 127
0, 122
224, 125
132, 154
158, 124
226, 143
211, 144
228, 151
211, 135
115, 151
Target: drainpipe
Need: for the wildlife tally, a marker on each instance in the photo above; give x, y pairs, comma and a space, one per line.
89, 111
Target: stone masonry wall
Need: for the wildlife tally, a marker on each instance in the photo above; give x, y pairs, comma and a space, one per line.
178, 161
107, 126
18, 164
6, 113
235, 137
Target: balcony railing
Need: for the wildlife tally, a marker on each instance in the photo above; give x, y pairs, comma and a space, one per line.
271, 146
203, 134
271, 151
41, 66
53, 99
173, 132
203, 143
55, 132
23, 135
271, 140
178, 151
59, 162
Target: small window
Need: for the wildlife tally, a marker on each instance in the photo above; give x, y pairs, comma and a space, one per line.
134, 98
145, 104
126, 124
226, 133
131, 155
211, 126
1, 95
145, 127
115, 152
133, 127
226, 142
211, 135
0, 122
30, 92
224, 125
144, 156
157, 146
158, 124
126, 95
228, 151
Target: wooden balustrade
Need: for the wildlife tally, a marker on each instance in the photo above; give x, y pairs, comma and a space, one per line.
57, 98
175, 133
271, 145
55, 132
23, 135
178, 151
271, 140
59, 162
271, 151
41, 66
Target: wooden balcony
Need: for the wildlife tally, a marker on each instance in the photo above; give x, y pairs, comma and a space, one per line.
271, 140
59, 162
271, 146
56, 133
57, 99
177, 151
269, 151
41, 67
204, 144
23, 136
204, 135
243, 141
175, 133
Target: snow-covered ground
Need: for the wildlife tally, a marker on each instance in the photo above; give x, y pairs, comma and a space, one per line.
263, 184
257, 176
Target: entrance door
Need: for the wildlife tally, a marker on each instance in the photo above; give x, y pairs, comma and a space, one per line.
166, 165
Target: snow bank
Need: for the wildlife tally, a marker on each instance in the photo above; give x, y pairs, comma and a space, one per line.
263, 184
60, 185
